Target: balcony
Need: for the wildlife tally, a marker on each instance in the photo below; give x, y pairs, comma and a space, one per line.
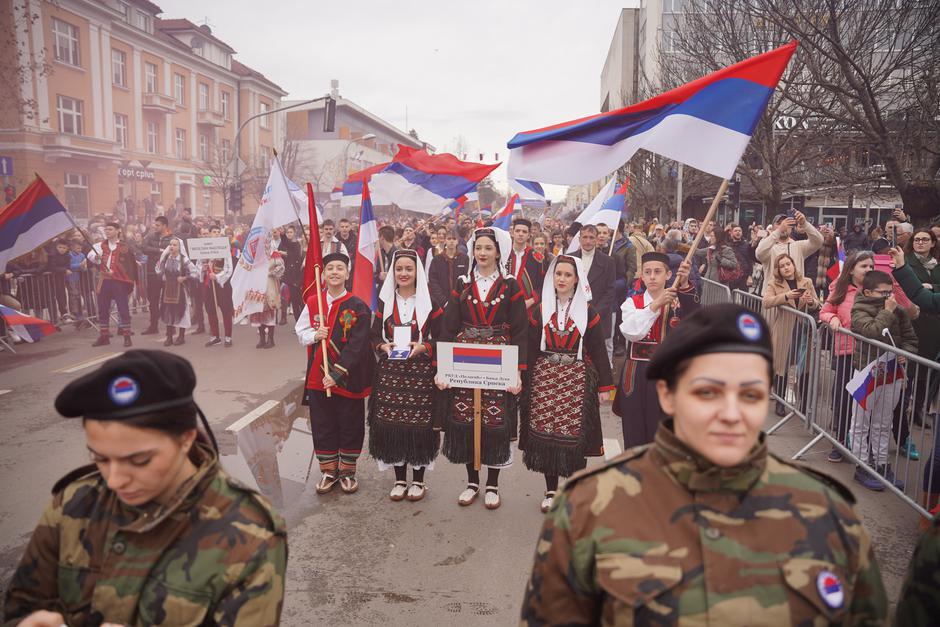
62, 145
210, 117
159, 103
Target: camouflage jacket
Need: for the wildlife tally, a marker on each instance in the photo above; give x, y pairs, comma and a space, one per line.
659, 536
920, 597
215, 555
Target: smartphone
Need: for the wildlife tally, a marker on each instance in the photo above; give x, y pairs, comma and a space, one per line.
791, 213
801, 290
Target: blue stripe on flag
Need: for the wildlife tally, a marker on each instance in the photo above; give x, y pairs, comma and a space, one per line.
443, 185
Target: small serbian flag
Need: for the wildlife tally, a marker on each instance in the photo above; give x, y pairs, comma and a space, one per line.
26, 328
835, 268
478, 359
503, 219
881, 372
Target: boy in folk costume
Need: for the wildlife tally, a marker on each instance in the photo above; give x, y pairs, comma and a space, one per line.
560, 422
337, 421
647, 319
401, 429
526, 264
117, 273
217, 293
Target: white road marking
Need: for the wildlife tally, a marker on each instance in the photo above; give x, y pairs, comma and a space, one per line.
611, 448
87, 364
2, 392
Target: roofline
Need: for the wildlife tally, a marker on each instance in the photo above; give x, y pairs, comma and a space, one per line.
340, 101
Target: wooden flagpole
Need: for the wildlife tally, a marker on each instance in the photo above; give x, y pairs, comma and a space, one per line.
326, 357
708, 218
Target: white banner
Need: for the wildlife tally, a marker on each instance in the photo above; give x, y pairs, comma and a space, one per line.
250, 279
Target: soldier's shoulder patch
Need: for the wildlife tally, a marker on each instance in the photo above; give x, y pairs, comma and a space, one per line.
826, 480
84, 472
260, 502
615, 462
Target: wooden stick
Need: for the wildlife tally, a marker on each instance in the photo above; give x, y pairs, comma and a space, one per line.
477, 426
708, 218
613, 238
326, 365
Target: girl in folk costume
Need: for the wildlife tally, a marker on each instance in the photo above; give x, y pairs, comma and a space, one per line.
265, 320
401, 432
560, 422
175, 302
647, 318
337, 421
488, 308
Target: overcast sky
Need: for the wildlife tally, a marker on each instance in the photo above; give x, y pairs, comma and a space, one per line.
484, 69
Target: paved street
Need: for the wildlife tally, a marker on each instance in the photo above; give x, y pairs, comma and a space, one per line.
357, 559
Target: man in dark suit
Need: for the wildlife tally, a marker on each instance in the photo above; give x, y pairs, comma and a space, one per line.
444, 270
601, 272
293, 269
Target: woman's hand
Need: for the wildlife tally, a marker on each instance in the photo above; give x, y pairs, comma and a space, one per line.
441, 385
328, 382
515, 389
321, 334
897, 255
807, 298
385, 348
795, 294
181, 279
835, 323
42, 618
417, 349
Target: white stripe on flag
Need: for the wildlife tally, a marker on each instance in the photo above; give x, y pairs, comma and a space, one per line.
406, 194
30, 240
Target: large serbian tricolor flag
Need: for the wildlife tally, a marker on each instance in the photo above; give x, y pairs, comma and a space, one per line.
33, 218
363, 284
705, 124
26, 328
426, 183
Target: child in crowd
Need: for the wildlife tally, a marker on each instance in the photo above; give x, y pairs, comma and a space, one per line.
875, 310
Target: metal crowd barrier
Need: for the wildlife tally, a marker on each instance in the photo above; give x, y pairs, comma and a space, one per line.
796, 358
875, 437
714, 293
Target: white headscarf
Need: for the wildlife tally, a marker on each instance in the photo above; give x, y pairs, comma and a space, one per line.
578, 311
422, 294
503, 243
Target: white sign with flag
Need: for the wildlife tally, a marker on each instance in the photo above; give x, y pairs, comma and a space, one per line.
250, 279
591, 214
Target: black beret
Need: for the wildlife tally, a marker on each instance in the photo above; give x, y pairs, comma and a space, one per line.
335, 257
724, 328
654, 256
880, 245
137, 382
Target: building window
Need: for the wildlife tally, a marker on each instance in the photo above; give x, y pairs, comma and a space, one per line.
181, 143
66, 42
673, 6
150, 71
179, 89
120, 129
265, 122
153, 137
118, 68
144, 21
225, 149
76, 193
70, 115
204, 147
156, 191
669, 41
224, 102
203, 97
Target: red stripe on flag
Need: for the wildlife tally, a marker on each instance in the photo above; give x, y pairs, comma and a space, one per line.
477, 352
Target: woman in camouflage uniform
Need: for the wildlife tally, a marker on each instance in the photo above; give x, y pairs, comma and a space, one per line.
704, 525
154, 532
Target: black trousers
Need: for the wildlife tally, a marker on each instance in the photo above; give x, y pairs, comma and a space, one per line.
338, 425
154, 293
296, 299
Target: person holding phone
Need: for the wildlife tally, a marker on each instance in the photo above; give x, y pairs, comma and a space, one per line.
401, 432
789, 288
780, 241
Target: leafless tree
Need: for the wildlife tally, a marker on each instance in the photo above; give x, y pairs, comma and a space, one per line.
879, 64
219, 170
18, 66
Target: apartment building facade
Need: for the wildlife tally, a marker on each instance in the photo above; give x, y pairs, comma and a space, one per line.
116, 103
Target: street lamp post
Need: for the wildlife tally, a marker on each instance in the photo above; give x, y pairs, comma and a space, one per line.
364, 138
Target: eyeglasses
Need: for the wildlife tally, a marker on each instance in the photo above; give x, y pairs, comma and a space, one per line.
922, 240
885, 293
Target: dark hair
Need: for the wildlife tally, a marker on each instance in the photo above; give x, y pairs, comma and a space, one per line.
215, 225
933, 242
567, 259
387, 233
174, 422
875, 278
346, 220
161, 220
841, 287
589, 228
328, 222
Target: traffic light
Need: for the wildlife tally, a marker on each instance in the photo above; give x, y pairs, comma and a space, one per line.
236, 200
734, 194
329, 115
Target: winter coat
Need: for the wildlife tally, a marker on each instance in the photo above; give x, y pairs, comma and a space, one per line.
870, 318
782, 324
771, 247
844, 344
